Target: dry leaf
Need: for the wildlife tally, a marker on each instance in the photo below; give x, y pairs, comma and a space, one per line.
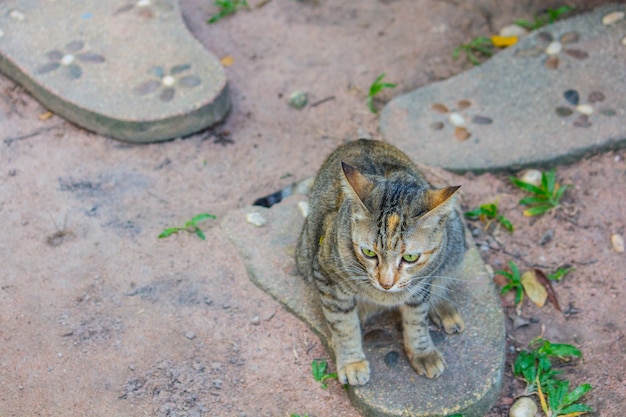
504, 41
227, 61
533, 289
543, 280
45, 116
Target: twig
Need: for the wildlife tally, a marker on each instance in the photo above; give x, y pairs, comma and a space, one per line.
322, 101
10, 140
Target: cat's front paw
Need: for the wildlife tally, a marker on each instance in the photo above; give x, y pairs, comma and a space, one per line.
355, 373
429, 364
448, 318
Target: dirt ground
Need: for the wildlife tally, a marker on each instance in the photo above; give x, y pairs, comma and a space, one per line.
99, 317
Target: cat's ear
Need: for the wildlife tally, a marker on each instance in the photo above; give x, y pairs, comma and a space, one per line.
439, 202
360, 185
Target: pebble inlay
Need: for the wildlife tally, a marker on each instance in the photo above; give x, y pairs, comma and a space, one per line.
69, 59
551, 49
147, 9
584, 110
458, 120
167, 82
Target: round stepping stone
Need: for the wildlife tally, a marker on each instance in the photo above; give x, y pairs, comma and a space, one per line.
126, 69
475, 358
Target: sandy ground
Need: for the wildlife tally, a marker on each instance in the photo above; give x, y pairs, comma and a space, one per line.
99, 317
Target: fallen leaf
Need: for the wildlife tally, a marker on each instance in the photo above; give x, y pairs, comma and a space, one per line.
227, 61
533, 289
45, 116
543, 280
504, 41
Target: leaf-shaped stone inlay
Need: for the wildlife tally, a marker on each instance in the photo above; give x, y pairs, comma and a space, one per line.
463, 104
564, 111
147, 87
189, 81
73, 72
55, 55
608, 112
177, 69
461, 134
545, 37
157, 71
167, 94
552, 62
482, 120
440, 108
576, 53
124, 8
572, 97
49, 67
75, 46
437, 125
530, 52
582, 121
596, 97
570, 37
91, 58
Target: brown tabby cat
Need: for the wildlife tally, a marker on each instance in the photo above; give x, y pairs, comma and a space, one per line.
379, 236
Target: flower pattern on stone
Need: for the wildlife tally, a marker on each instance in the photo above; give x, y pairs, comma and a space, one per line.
68, 60
457, 119
166, 82
584, 110
552, 50
147, 9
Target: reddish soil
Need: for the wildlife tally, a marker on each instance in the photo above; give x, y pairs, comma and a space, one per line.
99, 317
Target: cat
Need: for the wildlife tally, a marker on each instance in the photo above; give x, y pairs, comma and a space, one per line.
379, 236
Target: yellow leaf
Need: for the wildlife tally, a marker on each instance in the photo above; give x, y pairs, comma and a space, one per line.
576, 414
533, 289
542, 399
45, 116
504, 41
227, 61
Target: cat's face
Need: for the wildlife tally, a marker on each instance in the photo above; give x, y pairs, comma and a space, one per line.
397, 230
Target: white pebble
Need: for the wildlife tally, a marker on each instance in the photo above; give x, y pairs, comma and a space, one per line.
304, 186
17, 15
457, 120
623, 41
523, 407
255, 320
143, 3
512, 30
1, 33
618, 243
532, 176
256, 219
585, 109
554, 48
67, 59
612, 17
168, 81
303, 206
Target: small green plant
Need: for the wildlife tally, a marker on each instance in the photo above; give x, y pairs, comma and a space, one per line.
560, 273
547, 18
376, 87
298, 415
318, 368
545, 197
535, 367
487, 213
226, 8
191, 226
514, 282
479, 45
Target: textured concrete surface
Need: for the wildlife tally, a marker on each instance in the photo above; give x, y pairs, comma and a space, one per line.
475, 358
127, 69
509, 104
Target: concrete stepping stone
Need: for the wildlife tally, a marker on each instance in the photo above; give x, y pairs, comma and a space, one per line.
124, 68
475, 359
555, 96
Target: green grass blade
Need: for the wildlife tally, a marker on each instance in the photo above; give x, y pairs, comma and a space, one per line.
576, 394
533, 189
537, 210
169, 231
475, 213
506, 223
202, 217
528, 201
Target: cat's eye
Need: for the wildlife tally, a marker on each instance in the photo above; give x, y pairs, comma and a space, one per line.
410, 257
368, 253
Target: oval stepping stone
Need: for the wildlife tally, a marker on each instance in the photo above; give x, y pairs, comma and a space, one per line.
126, 69
475, 358
530, 96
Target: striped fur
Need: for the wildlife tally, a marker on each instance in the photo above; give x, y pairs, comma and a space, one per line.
380, 236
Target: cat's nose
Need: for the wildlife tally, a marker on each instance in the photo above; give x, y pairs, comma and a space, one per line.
386, 286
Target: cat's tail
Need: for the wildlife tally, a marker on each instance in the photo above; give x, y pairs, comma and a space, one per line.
300, 187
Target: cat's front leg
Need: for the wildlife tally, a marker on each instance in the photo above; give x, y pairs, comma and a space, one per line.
343, 321
422, 354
